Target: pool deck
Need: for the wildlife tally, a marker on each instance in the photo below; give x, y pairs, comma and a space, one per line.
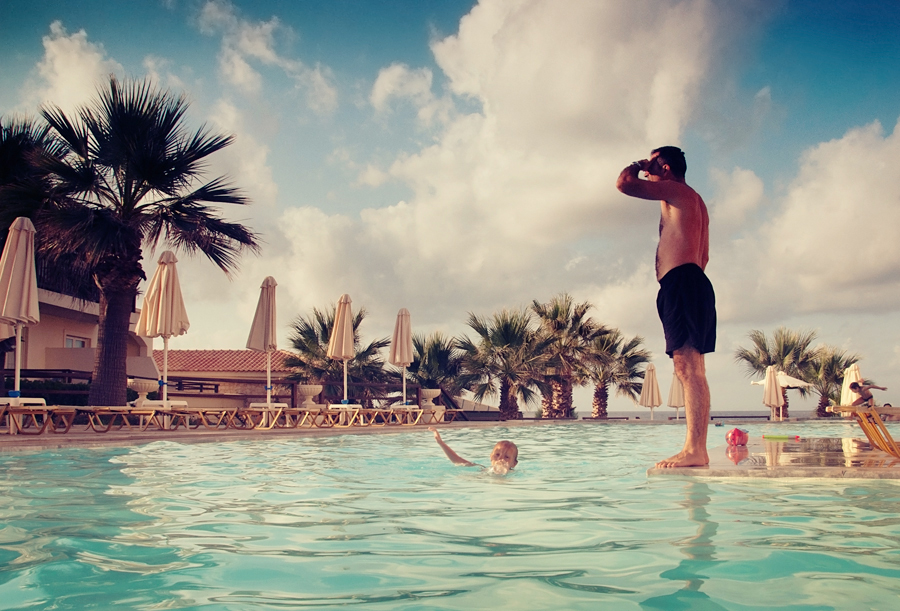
830, 457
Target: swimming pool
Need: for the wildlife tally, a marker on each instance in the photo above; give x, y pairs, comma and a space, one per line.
386, 522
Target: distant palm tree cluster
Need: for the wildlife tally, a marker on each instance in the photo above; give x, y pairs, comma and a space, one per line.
539, 353
793, 353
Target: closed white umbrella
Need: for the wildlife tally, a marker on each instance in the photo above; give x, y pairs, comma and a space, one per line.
851, 374
773, 384
341, 344
650, 396
263, 331
163, 314
401, 345
772, 396
676, 394
18, 285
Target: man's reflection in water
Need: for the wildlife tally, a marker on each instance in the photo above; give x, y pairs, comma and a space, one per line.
700, 554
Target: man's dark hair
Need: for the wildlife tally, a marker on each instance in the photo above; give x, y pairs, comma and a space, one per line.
674, 158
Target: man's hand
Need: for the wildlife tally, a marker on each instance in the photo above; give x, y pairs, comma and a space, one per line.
437, 435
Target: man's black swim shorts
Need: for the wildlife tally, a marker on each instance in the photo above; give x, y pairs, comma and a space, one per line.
687, 308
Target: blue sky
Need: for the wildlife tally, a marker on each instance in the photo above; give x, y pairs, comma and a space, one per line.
453, 157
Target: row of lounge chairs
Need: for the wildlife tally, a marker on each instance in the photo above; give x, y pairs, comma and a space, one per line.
170, 416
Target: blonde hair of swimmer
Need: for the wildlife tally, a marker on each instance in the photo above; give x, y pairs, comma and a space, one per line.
504, 456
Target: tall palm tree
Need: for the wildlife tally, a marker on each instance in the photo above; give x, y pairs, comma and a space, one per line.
437, 363
570, 333
129, 178
508, 357
788, 351
618, 362
309, 338
826, 374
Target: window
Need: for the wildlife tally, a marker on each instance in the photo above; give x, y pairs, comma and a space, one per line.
76, 342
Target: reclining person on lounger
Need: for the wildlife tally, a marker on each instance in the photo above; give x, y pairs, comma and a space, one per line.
865, 397
504, 456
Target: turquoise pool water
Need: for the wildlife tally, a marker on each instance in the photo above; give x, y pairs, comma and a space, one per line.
386, 522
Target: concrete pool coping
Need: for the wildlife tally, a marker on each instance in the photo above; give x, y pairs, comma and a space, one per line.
813, 457
829, 457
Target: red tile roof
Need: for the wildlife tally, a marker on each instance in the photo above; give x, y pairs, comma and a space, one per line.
221, 360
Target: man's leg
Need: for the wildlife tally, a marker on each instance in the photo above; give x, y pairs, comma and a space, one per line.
690, 367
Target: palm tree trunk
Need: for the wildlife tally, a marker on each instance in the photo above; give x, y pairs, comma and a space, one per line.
547, 406
784, 409
820, 408
509, 407
600, 401
109, 382
564, 401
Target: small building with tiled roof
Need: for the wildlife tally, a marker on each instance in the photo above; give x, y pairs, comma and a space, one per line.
223, 363
225, 372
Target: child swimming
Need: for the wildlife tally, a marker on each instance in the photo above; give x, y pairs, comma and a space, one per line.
504, 456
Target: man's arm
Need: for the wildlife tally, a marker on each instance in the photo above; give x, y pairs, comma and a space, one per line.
630, 183
455, 458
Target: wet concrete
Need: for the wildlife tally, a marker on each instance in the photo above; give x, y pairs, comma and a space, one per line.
795, 457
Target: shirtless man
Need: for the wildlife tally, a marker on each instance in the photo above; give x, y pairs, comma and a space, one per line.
686, 301
865, 393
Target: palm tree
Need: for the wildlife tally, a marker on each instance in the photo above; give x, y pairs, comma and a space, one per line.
509, 356
128, 178
569, 331
617, 362
788, 351
25, 186
309, 338
23, 178
437, 363
826, 374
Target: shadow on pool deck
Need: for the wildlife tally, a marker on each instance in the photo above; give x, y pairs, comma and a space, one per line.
812, 457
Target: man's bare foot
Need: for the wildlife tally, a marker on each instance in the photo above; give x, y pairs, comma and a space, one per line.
685, 459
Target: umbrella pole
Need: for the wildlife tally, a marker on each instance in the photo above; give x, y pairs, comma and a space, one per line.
269, 379
18, 356
404, 385
165, 369
345, 381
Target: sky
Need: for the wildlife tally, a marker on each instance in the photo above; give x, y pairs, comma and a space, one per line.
454, 157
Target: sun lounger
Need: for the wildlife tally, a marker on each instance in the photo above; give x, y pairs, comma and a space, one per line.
374, 416
340, 415
270, 414
408, 415
27, 420
210, 418
870, 422
310, 415
61, 418
256, 416
14, 416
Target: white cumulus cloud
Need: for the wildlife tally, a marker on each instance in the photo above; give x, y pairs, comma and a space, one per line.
70, 71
